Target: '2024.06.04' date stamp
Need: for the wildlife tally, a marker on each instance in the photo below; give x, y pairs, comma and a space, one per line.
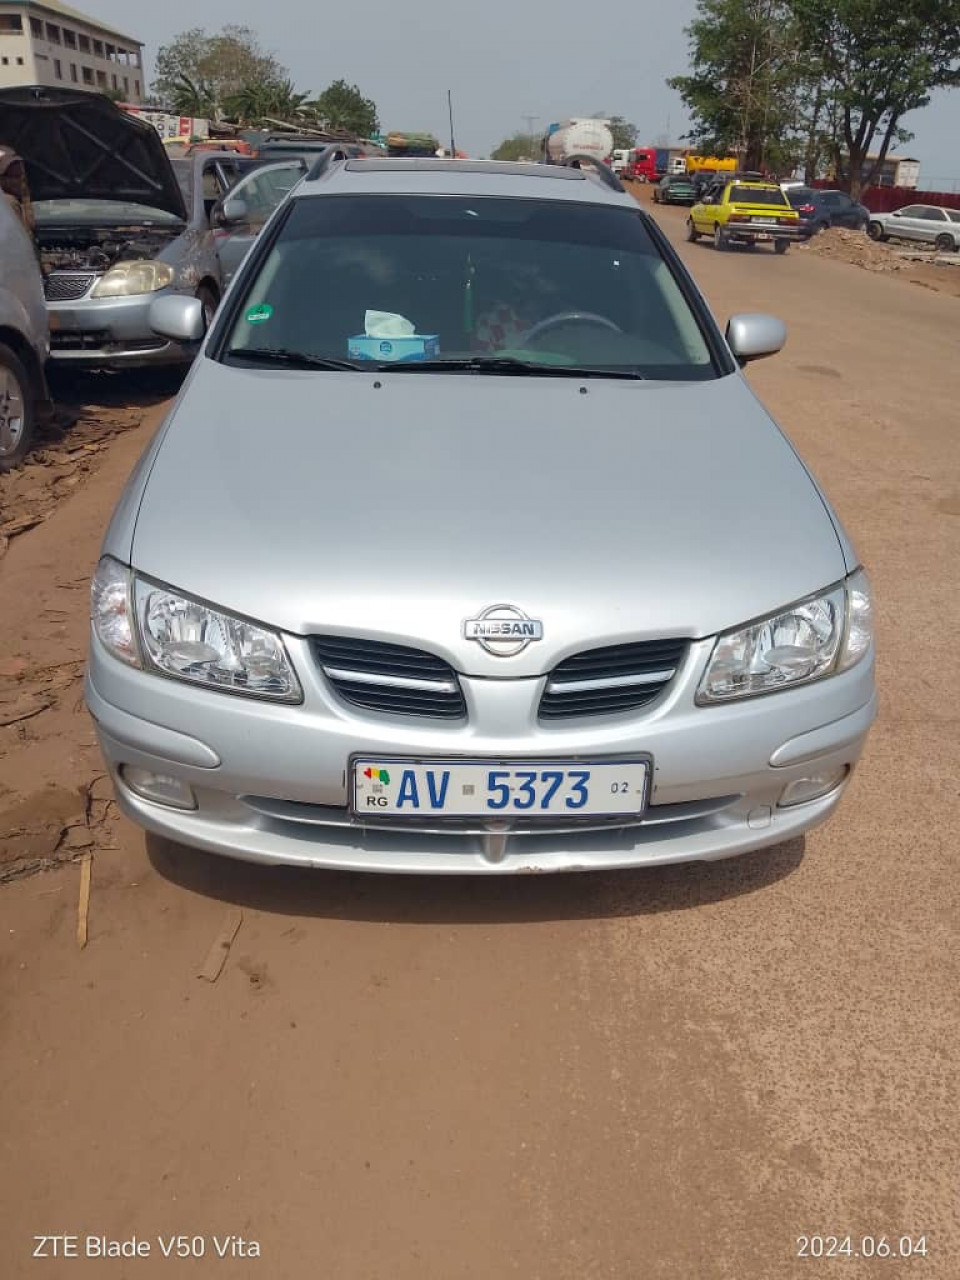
817, 1246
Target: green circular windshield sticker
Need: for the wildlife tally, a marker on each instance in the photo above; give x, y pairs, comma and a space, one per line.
257, 315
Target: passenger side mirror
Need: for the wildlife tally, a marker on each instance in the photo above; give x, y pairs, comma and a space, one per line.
177, 317
752, 336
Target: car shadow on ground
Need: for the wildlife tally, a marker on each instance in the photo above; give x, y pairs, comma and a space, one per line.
419, 899
76, 390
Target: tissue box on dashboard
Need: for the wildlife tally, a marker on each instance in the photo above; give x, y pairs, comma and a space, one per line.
418, 346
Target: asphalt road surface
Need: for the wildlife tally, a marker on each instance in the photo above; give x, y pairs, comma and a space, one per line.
658, 1074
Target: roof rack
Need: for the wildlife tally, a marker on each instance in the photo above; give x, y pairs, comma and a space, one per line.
607, 176
326, 160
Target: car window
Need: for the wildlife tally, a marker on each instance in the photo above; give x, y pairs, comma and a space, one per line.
262, 190
757, 195
953, 215
836, 199
546, 282
933, 214
911, 211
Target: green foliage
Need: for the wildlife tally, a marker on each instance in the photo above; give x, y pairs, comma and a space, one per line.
266, 100
342, 106
811, 82
743, 89
520, 146
207, 70
624, 133
879, 59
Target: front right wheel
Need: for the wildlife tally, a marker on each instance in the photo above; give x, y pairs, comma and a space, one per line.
692, 232
17, 416
945, 243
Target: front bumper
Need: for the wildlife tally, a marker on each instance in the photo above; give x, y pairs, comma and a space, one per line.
97, 332
271, 781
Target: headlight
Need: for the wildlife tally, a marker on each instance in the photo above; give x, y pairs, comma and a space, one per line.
128, 278
111, 611
815, 638
191, 641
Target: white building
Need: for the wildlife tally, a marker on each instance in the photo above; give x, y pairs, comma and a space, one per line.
46, 42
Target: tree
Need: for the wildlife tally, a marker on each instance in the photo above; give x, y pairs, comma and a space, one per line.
261, 100
520, 146
216, 66
342, 106
624, 133
744, 87
879, 59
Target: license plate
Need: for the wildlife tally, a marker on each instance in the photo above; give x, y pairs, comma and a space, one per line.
762, 236
499, 789
767, 222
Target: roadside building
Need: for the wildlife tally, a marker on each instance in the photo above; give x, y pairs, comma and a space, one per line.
46, 42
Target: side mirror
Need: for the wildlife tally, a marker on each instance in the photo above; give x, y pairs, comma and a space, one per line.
752, 336
178, 317
895, 214
231, 211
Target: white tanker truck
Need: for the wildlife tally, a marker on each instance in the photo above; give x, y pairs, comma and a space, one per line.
579, 138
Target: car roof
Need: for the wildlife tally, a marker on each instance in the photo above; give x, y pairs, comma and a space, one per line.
441, 177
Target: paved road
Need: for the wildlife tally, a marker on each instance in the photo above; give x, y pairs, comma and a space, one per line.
666, 1074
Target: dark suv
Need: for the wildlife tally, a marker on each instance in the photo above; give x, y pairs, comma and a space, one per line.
821, 209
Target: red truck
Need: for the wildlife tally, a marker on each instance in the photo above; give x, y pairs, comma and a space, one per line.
641, 165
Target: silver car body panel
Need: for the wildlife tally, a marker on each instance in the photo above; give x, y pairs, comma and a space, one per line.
22, 307
396, 507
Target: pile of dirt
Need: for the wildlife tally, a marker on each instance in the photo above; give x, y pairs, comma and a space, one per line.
854, 247
66, 453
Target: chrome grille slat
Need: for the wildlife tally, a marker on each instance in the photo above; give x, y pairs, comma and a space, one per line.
389, 677
617, 678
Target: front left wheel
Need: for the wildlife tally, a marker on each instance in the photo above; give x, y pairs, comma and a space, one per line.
692, 232
719, 239
17, 413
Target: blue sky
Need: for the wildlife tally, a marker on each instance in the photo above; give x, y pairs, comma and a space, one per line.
503, 61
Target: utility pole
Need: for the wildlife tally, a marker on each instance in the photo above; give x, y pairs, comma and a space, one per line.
530, 121
453, 145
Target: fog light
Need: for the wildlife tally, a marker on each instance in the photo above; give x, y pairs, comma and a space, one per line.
158, 787
818, 784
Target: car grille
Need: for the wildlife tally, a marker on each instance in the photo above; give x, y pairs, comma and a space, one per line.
67, 286
620, 677
389, 677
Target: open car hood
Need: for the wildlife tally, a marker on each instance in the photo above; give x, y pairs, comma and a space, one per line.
81, 146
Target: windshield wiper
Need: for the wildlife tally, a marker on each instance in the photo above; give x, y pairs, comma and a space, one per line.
290, 359
506, 365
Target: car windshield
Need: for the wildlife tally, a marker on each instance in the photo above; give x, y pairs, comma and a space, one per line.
757, 195
100, 212
542, 285
801, 195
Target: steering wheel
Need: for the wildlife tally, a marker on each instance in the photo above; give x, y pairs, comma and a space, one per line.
568, 317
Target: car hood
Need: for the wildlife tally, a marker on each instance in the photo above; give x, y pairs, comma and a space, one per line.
78, 145
399, 506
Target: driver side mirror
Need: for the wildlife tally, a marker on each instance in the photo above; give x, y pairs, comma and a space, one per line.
231, 211
752, 336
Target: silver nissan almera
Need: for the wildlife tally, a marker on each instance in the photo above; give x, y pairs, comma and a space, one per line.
466, 547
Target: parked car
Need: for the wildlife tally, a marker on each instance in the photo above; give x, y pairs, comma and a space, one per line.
116, 223
747, 213
928, 223
821, 209
318, 640
674, 189
24, 338
310, 150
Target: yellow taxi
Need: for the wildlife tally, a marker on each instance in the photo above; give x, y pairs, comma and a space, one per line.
745, 213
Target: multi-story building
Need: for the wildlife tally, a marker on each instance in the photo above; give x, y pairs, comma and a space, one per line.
46, 42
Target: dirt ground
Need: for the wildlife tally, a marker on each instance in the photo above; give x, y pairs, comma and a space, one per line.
668, 1074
